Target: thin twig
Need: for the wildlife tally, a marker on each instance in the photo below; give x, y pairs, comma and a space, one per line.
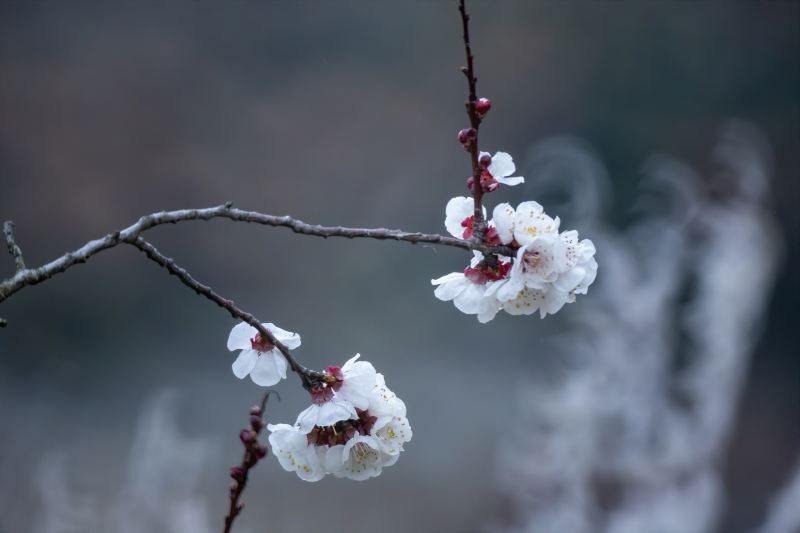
32, 276
310, 378
478, 222
13, 247
249, 460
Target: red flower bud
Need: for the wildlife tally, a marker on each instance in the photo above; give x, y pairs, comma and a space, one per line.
237, 473
482, 106
247, 436
466, 136
256, 423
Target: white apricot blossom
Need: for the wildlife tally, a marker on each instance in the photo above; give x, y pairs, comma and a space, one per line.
259, 358
391, 425
548, 272
459, 214
501, 168
343, 391
470, 290
362, 457
295, 454
530, 221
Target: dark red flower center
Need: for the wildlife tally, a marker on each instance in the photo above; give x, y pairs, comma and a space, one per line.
492, 237
483, 273
332, 381
261, 344
467, 225
342, 431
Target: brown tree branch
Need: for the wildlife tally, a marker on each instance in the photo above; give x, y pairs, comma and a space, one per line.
32, 276
251, 456
310, 378
478, 222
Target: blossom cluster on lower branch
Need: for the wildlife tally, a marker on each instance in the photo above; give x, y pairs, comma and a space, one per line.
355, 426
548, 270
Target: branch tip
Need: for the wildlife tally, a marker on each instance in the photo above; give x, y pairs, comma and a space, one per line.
13, 247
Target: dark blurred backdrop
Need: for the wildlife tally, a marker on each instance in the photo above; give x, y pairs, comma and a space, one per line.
340, 112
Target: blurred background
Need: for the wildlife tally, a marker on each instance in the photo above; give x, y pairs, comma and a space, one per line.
665, 401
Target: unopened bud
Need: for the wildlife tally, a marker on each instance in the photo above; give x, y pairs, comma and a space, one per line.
246, 436
261, 451
256, 423
237, 473
466, 136
485, 160
482, 106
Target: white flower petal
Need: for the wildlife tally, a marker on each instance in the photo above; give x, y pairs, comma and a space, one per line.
502, 165
516, 180
469, 300
359, 379
363, 458
568, 281
325, 414
240, 335
290, 339
526, 303
294, 454
244, 363
307, 419
458, 209
565, 251
452, 287
452, 276
591, 274
553, 302
393, 434
333, 459
503, 220
487, 312
266, 372
586, 250
334, 411
530, 221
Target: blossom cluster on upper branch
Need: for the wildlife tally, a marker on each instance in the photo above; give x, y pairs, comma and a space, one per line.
549, 269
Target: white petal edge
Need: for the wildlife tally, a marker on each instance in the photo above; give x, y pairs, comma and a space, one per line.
289, 338
240, 335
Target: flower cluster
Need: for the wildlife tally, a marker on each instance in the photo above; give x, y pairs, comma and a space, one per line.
547, 271
354, 427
